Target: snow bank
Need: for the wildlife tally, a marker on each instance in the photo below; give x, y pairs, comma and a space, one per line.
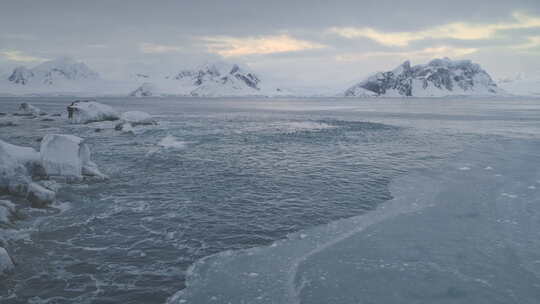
82, 112
6, 264
134, 118
67, 156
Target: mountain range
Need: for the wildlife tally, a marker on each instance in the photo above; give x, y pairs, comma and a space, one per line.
210, 79
439, 77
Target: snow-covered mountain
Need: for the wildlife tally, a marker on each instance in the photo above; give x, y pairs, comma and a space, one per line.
521, 84
440, 77
60, 76
211, 79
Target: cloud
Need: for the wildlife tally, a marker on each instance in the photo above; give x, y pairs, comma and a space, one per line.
20, 57
533, 42
151, 48
455, 30
431, 52
26, 37
231, 46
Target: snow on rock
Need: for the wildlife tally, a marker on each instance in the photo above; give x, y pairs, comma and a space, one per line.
53, 72
134, 118
146, 89
21, 75
208, 80
440, 77
84, 111
6, 264
27, 108
67, 156
358, 91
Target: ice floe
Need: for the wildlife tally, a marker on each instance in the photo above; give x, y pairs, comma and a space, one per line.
83, 111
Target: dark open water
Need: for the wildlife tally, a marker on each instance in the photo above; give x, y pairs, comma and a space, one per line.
227, 174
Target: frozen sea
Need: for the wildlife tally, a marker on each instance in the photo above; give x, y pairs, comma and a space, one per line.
245, 200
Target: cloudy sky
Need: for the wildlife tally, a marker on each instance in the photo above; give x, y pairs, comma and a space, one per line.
300, 42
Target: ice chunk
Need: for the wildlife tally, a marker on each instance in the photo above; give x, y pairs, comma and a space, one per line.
27, 108
82, 112
60, 155
17, 165
40, 196
134, 118
89, 168
6, 264
67, 156
7, 212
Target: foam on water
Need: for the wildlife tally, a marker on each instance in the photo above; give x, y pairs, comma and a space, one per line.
170, 141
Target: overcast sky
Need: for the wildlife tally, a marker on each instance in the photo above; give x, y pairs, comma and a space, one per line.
300, 42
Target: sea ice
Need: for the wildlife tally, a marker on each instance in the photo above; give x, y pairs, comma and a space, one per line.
82, 112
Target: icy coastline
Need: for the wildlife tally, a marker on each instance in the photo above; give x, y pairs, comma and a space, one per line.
36, 176
346, 260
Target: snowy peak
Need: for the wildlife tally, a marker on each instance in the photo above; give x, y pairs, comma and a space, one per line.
21, 75
439, 77
210, 79
221, 73
52, 72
